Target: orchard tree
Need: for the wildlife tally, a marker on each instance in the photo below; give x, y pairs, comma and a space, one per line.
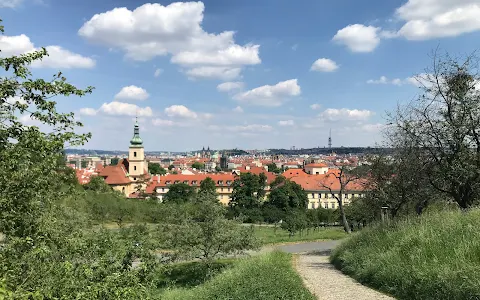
97, 184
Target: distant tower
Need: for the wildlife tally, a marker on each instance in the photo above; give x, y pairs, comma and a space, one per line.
136, 155
330, 140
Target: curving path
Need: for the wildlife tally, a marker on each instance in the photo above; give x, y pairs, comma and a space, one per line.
322, 279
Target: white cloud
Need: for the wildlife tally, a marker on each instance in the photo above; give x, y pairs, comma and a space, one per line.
10, 3
324, 65
162, 122
153, 30
15, 99
132, 92
207, 72
295, 47
58, 57
270, 95
230, 86
125, 109
87, 111
344, 114
315, 106
238, 109
180, 111
358, 37
385, 80
428, 19
250, 128
157, 72
286, 123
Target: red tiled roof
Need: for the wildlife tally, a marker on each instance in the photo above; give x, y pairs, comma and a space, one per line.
188, 179
325, 181
294, 173
115, 174
319, 165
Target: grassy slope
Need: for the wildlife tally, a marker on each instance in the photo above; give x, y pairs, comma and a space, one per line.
268, 235
265, 277
436, 256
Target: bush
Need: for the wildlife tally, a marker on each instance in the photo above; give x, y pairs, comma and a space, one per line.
436, 256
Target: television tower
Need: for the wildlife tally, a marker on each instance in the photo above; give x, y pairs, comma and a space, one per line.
330, 140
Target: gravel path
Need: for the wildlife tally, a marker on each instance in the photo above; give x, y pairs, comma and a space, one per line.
327, 283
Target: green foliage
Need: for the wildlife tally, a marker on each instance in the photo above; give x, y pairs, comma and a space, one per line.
288, 195
265, 277
208, 186
437, 254
97, 184
248, 192
198, 165
271, 235
272, 167
295, 221
114, 161
179, 193
205, 233
171, 167
156, 169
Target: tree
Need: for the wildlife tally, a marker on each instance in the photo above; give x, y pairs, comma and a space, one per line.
218, 169
155, 168
83, 164
208, 186
207, 234
337, 184
114, 161
442, 126
295, 220
198, 165
179, 193
97, 184
171, 167
272, 167
248, 191
288, 195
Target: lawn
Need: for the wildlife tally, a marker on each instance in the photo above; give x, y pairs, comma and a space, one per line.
435, 256
265, 277
268, 235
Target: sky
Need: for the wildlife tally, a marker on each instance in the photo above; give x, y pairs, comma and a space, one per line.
244, 74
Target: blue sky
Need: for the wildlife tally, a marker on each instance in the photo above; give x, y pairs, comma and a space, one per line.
247, 74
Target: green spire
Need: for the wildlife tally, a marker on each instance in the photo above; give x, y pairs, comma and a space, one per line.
136, 140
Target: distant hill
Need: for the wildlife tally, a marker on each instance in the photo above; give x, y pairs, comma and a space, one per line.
326, 151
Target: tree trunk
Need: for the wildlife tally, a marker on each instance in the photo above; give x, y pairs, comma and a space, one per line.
344, 217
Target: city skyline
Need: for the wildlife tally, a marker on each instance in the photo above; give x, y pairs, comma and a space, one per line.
246, 75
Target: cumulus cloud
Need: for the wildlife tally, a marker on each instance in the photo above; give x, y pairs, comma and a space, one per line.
428, 19
162, 122
58, 57
344, 114
358, 37
15, 99
180, 111
132, 92
286, 123
10, 3
315, 106
270, 95
208, 72
385, 80
87, 111
125, 109
157, 72
153, 30
422, 20
250, 128
238, 109
230, 86
324, 65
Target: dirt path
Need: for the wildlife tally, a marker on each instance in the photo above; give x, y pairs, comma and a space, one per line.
327, 283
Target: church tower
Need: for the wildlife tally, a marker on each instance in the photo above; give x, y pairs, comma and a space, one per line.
136, 155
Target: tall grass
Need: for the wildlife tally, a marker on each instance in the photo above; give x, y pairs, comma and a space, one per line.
436, 256
265, 277
270, 235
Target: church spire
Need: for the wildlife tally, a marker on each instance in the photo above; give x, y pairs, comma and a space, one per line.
136, 140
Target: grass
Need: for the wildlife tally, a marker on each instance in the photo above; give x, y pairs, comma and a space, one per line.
436, 256
268, 235
269, 276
